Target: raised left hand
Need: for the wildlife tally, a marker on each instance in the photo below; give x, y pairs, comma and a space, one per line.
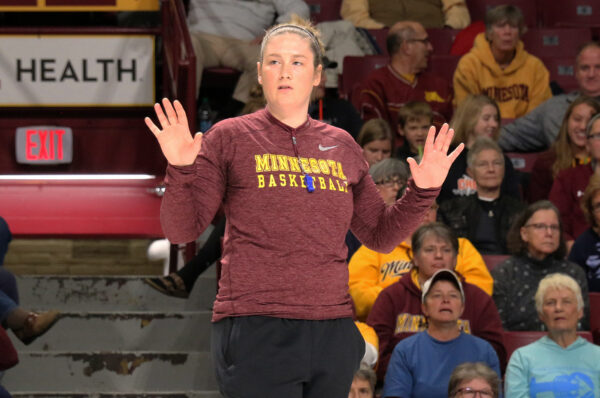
436, 162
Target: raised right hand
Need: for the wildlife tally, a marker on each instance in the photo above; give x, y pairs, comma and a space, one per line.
175, 139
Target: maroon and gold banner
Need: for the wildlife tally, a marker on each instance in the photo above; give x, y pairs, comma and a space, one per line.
78, 5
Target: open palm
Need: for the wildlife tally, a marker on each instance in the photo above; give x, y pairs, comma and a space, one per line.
436, 162
175, 139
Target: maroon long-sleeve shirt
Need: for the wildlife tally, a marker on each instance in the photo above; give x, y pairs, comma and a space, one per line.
284, 252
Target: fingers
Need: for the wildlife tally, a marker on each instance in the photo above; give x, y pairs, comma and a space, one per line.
171, 115
440, 139
429, 140
412, 164
447, 141
452, 157
162, 119
198, 142
181, 116
153, 127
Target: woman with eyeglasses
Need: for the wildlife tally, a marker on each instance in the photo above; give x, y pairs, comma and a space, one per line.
586, 249
538, 249
473, 380
569, 185
560, 364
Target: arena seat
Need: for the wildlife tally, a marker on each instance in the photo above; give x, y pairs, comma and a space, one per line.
523, 162
546, 42
324, 10
356, 69
443, 65
478, 8
595, 315
571, 13
492, 260
517, 339
442, 40
380, 36
562, 71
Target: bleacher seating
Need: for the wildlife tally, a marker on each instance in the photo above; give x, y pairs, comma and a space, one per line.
595, 315
514, 340
443, 65
478, 8
571, 13
442, 39
324, 10
380, 36
549, 42
562, 71
492, 260
356, 69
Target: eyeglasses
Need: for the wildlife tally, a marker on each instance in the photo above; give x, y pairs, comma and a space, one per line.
471, 393
539, 227
391, 182
425, 41
594, 137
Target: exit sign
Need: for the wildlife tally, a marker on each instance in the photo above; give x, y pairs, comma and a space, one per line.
44, 145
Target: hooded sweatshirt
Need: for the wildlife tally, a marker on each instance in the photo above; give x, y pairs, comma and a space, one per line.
371, 272
397, 314
518, 88
545, 369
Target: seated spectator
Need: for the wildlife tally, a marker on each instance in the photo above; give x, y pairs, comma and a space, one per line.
414, 120
227, 33
397, 312
499, 67
486, 217
431, 14
421, 365
569, 185
404, 79
376, 140
472, 378
371, 272
560, 364
5, 238
390, 177
333, 110
586, 249
476, 116
363, 384
537, 130
538, 249
569, 150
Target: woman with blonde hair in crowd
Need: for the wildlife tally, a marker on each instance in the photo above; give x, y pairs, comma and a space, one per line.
569, 149
476, 116
376, 140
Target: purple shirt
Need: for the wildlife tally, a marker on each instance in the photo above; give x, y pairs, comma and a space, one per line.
284, 253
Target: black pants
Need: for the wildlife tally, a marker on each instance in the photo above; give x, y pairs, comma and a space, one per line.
264, 357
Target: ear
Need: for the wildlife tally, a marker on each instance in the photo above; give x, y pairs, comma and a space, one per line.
462, 309
400, 131
580, 314
318, 73
258, 73
424, 309
523, 234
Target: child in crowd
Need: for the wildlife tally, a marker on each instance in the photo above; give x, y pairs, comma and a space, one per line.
414, 120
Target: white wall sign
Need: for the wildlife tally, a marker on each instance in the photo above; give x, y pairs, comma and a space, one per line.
87, 70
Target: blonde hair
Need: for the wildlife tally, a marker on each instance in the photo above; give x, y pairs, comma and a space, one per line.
467, 115
557, 281
563, 146
375, 130
413, 110
586, 200
302, 28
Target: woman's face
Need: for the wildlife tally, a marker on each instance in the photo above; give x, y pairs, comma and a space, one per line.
435, 254
541, 233
559, 310
388, 189
469, 389
443, 303
504, 36
577, 123
287, 72
376, 151
593, 141
488, 123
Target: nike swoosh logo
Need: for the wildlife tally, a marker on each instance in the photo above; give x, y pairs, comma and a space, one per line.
326, 148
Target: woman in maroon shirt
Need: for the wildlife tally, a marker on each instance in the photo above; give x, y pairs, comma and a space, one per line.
291, 187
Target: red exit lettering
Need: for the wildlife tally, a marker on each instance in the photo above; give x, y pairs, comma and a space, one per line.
44, 144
